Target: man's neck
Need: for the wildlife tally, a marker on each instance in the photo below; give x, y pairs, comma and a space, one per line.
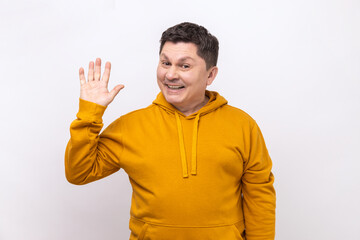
188, 110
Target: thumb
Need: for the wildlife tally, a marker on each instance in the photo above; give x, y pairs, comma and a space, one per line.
116, 90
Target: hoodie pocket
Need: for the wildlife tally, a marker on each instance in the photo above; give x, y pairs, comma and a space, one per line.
239, 230
147, 231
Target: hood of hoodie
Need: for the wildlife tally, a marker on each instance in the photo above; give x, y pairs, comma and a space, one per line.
215, 101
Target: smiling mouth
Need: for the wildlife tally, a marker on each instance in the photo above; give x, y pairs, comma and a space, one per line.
174, 86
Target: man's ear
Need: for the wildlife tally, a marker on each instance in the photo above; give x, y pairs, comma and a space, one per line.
212, 72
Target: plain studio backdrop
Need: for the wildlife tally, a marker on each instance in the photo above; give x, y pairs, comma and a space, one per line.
294, 66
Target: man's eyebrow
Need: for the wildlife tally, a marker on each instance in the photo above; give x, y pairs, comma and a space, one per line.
164, 56
180, 60
185, 58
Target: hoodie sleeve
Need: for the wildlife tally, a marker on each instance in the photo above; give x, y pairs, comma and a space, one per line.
90, 156
258, 192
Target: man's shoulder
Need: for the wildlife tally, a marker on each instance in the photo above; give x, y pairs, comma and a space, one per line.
135, 118
236, 113
138, 113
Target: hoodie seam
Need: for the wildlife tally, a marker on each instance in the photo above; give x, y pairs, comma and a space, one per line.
184, 226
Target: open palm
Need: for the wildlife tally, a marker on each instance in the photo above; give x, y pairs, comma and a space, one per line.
95, 89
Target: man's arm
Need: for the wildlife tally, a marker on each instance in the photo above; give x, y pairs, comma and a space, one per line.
259, 198
89, 157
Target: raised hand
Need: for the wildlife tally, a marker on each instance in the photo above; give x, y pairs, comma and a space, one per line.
96, 89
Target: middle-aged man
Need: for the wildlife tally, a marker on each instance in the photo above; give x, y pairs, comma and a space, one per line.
199, 168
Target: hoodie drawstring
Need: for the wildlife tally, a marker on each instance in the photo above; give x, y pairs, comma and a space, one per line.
194, 145
193, 148
182, 146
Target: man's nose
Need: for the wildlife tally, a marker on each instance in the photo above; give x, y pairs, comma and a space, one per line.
172, 73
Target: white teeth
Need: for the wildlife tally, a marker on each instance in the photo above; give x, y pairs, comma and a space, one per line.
174, 87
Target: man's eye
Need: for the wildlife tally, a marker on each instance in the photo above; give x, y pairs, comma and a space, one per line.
166, 63
185, 66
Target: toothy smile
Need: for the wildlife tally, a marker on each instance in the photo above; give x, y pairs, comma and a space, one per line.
175, 86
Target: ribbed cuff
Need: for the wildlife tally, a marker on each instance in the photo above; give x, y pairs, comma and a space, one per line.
90, 111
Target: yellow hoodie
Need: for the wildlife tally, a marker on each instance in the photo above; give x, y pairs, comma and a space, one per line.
203, 176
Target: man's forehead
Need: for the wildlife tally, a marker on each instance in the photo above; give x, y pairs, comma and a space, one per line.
180, 51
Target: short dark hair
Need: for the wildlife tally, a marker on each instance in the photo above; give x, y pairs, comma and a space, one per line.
207, 44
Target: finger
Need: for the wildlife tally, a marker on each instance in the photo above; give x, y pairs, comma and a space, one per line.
91, 71
106, 74
116, 90
82, 76
97, 69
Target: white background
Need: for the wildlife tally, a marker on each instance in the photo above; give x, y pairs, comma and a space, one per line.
294, 66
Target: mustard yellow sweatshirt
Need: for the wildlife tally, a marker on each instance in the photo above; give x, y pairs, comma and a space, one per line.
203, 176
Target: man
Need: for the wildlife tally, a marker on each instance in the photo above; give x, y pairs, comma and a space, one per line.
199, 168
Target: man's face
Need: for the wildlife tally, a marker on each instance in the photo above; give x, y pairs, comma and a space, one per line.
182, 75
